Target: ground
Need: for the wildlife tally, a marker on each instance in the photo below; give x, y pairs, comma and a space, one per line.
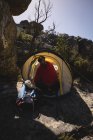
69, 117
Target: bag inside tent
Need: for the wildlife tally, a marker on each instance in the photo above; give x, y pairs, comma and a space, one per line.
60, 65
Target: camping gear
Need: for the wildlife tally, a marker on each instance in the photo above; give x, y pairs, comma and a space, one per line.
60, 65
28, 95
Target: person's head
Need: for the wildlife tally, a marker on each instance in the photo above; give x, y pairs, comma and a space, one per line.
29, 84
41, 59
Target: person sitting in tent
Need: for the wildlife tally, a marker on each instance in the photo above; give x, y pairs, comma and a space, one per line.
46, 77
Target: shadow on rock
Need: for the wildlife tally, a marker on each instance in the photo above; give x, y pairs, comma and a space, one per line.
69, 108
20, 128
79, 133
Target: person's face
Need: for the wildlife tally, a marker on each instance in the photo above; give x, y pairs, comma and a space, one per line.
42, 62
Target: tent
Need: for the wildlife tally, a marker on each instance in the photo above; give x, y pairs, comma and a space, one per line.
60, 65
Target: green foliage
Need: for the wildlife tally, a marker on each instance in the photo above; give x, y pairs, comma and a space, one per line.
25, 37
77, 53
81, 63
84, 67
62, 47
65, 48
50, 39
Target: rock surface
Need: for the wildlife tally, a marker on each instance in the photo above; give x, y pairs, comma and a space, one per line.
7, 38
8, 34
18, 6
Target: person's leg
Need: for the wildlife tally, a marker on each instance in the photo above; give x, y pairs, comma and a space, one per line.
56, 86
53, 89
42, 87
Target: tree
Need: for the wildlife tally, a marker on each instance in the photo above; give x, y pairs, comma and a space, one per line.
42, 11
42, 14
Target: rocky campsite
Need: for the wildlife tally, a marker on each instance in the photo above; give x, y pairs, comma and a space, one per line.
66, 117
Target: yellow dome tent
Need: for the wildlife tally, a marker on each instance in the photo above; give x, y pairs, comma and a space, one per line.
62, 68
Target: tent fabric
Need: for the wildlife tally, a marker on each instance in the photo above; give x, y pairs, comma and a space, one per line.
62, 68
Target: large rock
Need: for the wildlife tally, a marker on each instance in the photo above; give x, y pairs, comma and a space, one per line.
7, 37
8, 32
32, 28
18, 6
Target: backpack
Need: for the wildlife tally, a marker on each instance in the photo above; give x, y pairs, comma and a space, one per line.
31, 100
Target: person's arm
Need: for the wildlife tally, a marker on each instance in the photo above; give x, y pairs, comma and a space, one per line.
37, 75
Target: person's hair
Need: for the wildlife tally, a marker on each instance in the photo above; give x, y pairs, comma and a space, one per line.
41, 58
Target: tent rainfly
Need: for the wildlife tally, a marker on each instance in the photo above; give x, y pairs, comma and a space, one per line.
62, 68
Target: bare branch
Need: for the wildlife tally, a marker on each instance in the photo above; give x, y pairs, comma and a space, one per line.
51, 29
47, 10
42, 11
38, 11
41, 14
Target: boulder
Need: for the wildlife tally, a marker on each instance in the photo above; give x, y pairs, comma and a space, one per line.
8, 33
7, 38
18, 6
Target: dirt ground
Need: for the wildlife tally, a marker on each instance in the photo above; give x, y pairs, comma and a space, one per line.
69, 117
